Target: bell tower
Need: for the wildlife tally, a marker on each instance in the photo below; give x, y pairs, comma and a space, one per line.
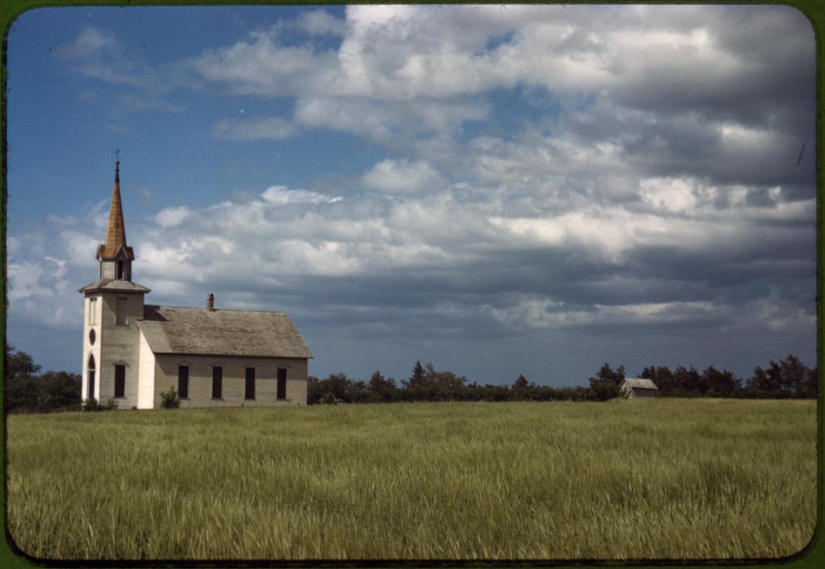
113, 306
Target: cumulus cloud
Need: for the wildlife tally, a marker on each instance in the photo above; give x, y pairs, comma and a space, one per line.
320, 22
281, 195
42, 286
403, 177
261, 66
171, 217
387, 122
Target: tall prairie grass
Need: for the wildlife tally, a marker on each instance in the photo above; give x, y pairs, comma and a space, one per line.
688, 479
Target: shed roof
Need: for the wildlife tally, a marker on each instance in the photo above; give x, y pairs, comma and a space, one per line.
640, 383
199, 331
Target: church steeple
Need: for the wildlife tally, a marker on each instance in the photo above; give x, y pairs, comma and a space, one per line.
116, 231
114, 255
113, 307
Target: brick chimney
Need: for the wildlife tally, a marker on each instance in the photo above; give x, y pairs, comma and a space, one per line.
210, 302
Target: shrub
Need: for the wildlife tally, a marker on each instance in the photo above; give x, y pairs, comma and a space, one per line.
93, 405
170, 399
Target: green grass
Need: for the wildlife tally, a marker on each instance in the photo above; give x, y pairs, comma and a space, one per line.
617, 480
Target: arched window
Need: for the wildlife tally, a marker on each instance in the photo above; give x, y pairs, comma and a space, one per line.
90, 378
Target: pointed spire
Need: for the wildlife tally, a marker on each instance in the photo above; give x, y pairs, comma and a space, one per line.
116, 230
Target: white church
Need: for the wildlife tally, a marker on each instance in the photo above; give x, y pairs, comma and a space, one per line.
133, 351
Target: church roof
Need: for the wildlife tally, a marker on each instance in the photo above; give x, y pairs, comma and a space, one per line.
200, 331
113, 285
115, 230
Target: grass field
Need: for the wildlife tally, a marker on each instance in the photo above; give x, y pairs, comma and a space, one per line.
616, 480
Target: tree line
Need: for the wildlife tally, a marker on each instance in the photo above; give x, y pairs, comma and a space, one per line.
28, 390
786, 379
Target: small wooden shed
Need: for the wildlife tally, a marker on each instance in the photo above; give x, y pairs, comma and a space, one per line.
638, 387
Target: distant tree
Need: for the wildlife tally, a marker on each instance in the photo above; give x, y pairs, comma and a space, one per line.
59, 390
520, 383
21, 385
428, 384
793, 375
522, 390
542, 392
787, 378
760, 384
19, 364
359, 393
606, 373
447, 381
417, 379
494, 392
21, 394
603, 389
577, 393
808, 388
662, 377
313, 390
778, 384
383, 389
606, 383
339, 385
720, 383
687, 382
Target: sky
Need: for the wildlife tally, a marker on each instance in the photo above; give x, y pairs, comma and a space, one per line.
498, 189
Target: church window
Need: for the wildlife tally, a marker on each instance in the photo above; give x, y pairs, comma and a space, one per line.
119, 270
90, 391
120, 380
281, 393
122, 311
249, 393
217, 382
92, 337
183, 382
92, 311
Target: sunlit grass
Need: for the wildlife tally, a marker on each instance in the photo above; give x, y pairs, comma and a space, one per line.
616, 480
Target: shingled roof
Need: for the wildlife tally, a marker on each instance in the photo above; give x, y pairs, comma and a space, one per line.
199, 331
